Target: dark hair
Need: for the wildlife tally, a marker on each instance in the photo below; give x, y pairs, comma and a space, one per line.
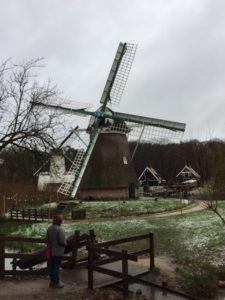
57, 220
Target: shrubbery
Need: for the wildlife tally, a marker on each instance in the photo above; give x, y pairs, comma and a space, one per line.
199, 279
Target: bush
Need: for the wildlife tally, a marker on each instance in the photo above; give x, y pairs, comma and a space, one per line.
200, 279
221, 272
110, 294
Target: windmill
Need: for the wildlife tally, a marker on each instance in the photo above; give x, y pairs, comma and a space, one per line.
103, 165
56, 164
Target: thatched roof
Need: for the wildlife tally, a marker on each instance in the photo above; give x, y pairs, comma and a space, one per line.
110, 164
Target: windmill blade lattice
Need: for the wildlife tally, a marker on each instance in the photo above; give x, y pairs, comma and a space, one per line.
147, 133
66, 186
119, 73
145, 129
84, 149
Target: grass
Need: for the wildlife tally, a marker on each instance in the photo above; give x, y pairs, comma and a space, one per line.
199, 234
112, 209
129, 208
195, 241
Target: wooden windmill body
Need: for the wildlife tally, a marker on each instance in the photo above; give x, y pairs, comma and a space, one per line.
110, 172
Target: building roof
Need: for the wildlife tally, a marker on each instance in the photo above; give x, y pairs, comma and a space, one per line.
189, 170
152, 172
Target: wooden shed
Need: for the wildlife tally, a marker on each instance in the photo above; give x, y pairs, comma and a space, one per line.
149, 177
188, 173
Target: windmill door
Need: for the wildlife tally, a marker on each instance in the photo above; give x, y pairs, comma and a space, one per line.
132, 191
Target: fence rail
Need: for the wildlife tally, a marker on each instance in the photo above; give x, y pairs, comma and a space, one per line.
31, 214
3, 254
113, 255
92, 261
26, 261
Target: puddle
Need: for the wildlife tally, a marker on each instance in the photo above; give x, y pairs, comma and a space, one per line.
8, 262
154, 293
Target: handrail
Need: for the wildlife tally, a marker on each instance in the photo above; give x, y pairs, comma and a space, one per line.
114, 255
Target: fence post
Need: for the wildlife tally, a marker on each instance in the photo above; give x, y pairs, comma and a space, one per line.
42, 216
90, 265
2, 255
76, 245
92, 235
4, 208
125, 273
152, 254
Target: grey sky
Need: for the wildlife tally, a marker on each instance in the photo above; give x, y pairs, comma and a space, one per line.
179, 70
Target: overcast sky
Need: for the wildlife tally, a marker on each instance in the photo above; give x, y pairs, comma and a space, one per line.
179, 70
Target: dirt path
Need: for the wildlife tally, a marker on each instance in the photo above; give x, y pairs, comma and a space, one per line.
198, 207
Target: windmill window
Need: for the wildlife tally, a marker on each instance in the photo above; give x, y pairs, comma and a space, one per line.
125, 160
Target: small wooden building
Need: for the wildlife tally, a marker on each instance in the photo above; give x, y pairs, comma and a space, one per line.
188, 173
149, 178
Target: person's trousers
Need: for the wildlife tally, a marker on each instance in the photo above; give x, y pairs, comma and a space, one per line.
54, 266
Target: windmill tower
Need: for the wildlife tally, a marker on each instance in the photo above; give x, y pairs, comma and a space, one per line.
103, 167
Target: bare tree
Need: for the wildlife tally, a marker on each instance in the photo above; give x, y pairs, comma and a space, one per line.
21, 124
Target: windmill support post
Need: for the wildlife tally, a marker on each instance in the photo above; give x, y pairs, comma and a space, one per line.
137, 143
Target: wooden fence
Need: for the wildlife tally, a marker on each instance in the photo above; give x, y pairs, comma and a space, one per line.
92, 261
14, 256
31, 214
42, 214
37, 257
94, 249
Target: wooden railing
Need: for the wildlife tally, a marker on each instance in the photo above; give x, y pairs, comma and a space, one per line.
94, 249
14, 256
31, 214
92, 261
27, 260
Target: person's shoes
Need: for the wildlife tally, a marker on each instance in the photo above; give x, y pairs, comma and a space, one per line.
51, 284
58, 286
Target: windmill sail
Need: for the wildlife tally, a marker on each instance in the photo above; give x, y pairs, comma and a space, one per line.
119, 73
146, 129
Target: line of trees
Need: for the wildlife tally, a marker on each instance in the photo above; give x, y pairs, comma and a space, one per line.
207, 158
169, 159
